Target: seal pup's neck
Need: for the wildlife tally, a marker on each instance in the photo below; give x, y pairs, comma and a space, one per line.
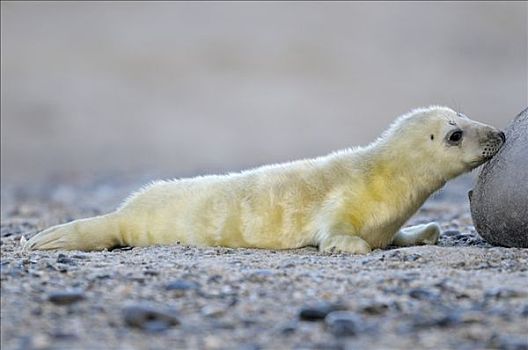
411, 173
382, 163
398, 164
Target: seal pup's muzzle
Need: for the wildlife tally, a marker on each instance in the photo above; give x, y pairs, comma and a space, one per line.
492, 144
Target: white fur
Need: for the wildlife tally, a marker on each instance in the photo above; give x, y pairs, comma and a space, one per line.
352, 200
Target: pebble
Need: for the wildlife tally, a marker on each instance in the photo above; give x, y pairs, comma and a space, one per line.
319, 311
248, 321
80, 256
212, 341
287, 264
412, 257
343, 323
149, 318
503, 342
214, 279
212, 311
451, 233
66, 297
524, 311
289, 327
14, 272
250, 347
421, 321
99, 276
39, 341
471, 317
260, 275
502, 293
181, 285
375, 308
422, 294
151, 273
61, 335
63, 259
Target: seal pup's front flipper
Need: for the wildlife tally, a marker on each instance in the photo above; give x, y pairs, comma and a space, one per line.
344, 244
416, 235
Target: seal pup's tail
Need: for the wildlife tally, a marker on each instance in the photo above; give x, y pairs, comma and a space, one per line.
94, 233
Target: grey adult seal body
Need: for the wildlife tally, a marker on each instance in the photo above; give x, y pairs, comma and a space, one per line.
499, 201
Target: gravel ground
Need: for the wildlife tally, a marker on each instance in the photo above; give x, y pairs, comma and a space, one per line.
461, 294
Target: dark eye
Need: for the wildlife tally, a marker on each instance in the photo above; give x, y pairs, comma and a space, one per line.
456, 136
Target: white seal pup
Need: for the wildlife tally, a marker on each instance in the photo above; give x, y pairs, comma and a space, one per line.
353, 200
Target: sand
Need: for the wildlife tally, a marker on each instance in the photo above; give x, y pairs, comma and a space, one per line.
460, 294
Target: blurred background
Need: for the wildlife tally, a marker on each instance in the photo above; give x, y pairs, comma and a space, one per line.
180, 88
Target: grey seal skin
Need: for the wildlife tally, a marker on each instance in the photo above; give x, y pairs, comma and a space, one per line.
499, 201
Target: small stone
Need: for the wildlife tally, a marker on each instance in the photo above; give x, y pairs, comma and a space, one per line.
150, 273
60, 335
63, 259
375, 308
80, 256
497, 341
25, 342
99, 276
451, 233
214, 279
66, 297
422, 294
260, 275
222, 324
471, 317
37, 311
139, 279
155, 326
461, 237
421, 321
502, 293
249, 321
212, 311
14, 272
395, 254
288, 264
393, 290
289, 328
41, 341
412, 257
149, 318
319, 311
524, 311
448, 320
181, 285
212, 341
343, 323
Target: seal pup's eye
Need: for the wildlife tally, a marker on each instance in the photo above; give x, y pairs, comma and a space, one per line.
455, 137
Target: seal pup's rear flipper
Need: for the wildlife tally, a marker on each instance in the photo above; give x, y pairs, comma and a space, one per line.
95, 233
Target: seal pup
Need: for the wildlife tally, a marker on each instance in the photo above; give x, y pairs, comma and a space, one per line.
353, 200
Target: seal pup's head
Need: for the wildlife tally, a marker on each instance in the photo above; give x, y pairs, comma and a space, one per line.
445, 140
